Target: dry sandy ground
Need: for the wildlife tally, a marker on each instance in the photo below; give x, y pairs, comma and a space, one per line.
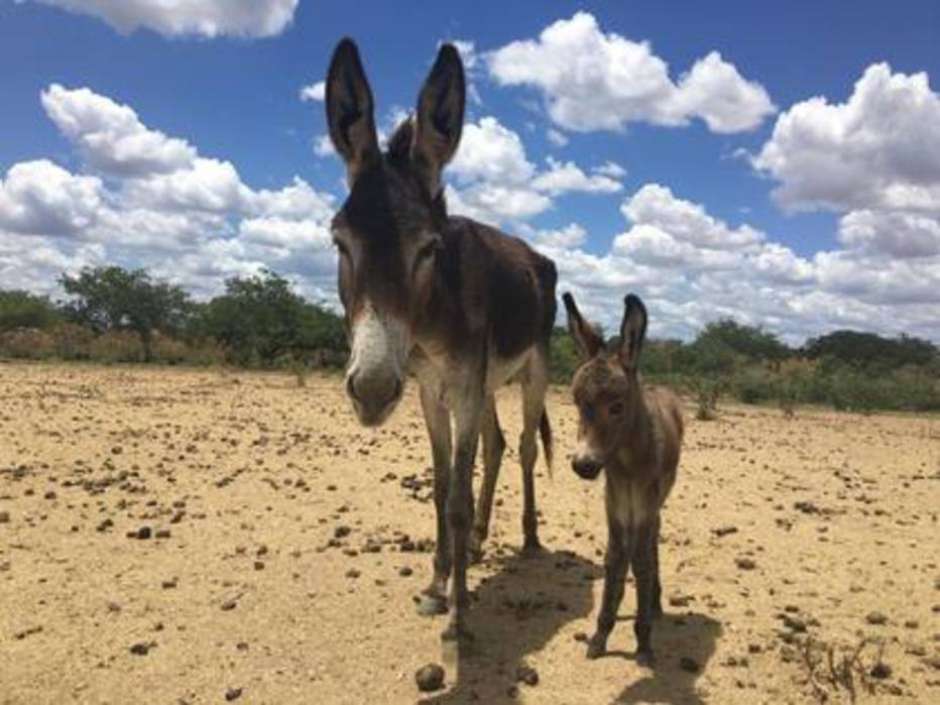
287, 544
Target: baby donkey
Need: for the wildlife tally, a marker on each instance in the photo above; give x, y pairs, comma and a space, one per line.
635, 435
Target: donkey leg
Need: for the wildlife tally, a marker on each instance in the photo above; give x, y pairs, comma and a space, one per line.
533, 406
657, 585
493, 447
437, 419
643, 573
460, 504
616, 563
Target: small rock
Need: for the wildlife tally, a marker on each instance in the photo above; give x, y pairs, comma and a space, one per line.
405, 571
528, 675
229, 605
745, 563
430, 678
725, 530
259, 565
353, 573
688, 664
876, 618
143, 533
141, 648
881, 671
580, 636
4, 517
233, 694
163, 534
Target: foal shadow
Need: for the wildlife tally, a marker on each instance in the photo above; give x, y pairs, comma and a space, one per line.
684, 644
516, 612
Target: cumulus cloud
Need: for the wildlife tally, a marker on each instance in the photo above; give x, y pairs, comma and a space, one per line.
880, 148
42, 197
596, 81
153, 200
111, 136
206, 18
556, 137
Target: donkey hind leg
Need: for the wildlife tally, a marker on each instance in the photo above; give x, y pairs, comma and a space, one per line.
493, 447
657, 585
467, 416
437, 419
616, 564
643, 573
534, 386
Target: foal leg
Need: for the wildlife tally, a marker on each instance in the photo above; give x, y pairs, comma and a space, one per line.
643, 573
468, 413
616, 563
534, 386
437, 419
493, 446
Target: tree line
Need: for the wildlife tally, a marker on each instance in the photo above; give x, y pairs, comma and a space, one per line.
114, 314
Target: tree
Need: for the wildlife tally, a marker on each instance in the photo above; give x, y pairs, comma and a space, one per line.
750, 341
20, 309
871, 351
260, 319
109, 298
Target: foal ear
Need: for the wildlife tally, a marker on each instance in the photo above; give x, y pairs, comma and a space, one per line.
350, 110
439, 119
586, 338
632, 331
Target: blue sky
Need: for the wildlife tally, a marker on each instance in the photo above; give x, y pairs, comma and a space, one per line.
695, 213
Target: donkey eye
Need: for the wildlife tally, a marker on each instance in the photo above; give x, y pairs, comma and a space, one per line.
427, 251
343, 250
616, 408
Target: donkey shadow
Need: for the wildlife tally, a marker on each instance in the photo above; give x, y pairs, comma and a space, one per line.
516, 612
675, 637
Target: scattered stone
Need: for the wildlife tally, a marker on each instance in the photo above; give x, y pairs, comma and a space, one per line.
353, 573
745, 563
163, 534
430, 678
233, 694
4, 517
876, 618
142, 648
580, 636
229, 605
725, 530
405, 571
881, 671
528, 675
143, 533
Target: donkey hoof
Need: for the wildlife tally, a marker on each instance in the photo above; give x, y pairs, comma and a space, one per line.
532, 548
431, 605
597, 647
658, 612
475, 551
645, 659
459, 634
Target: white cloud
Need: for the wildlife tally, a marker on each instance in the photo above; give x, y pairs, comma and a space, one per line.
314, 92
111, 136
556, 137
596, 81
611, 169
880, 148
42, 197
565, 177
206, 18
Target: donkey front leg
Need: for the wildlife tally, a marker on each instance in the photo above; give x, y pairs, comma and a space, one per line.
643, 572
437, 418
460, 506
533, 406
616, 563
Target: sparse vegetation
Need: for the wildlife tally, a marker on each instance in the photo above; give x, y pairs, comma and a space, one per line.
118, 316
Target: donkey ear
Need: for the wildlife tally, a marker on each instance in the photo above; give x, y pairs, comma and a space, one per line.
586, 338
632, 331
350, 110
439, 119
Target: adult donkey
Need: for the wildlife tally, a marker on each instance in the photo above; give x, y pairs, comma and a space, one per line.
465, 307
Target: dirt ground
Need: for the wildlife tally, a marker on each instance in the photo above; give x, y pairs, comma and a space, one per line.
180, 536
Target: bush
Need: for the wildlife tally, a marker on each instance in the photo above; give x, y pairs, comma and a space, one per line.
27, 343
117, 346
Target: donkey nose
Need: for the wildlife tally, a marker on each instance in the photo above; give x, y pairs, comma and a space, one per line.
586, 468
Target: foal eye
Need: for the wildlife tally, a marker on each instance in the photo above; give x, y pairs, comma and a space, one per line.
616, 408
342, 248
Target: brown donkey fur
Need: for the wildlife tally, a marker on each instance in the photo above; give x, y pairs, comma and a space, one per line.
635, 435
462, 306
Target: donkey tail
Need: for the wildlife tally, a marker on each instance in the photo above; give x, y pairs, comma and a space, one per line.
545, 431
